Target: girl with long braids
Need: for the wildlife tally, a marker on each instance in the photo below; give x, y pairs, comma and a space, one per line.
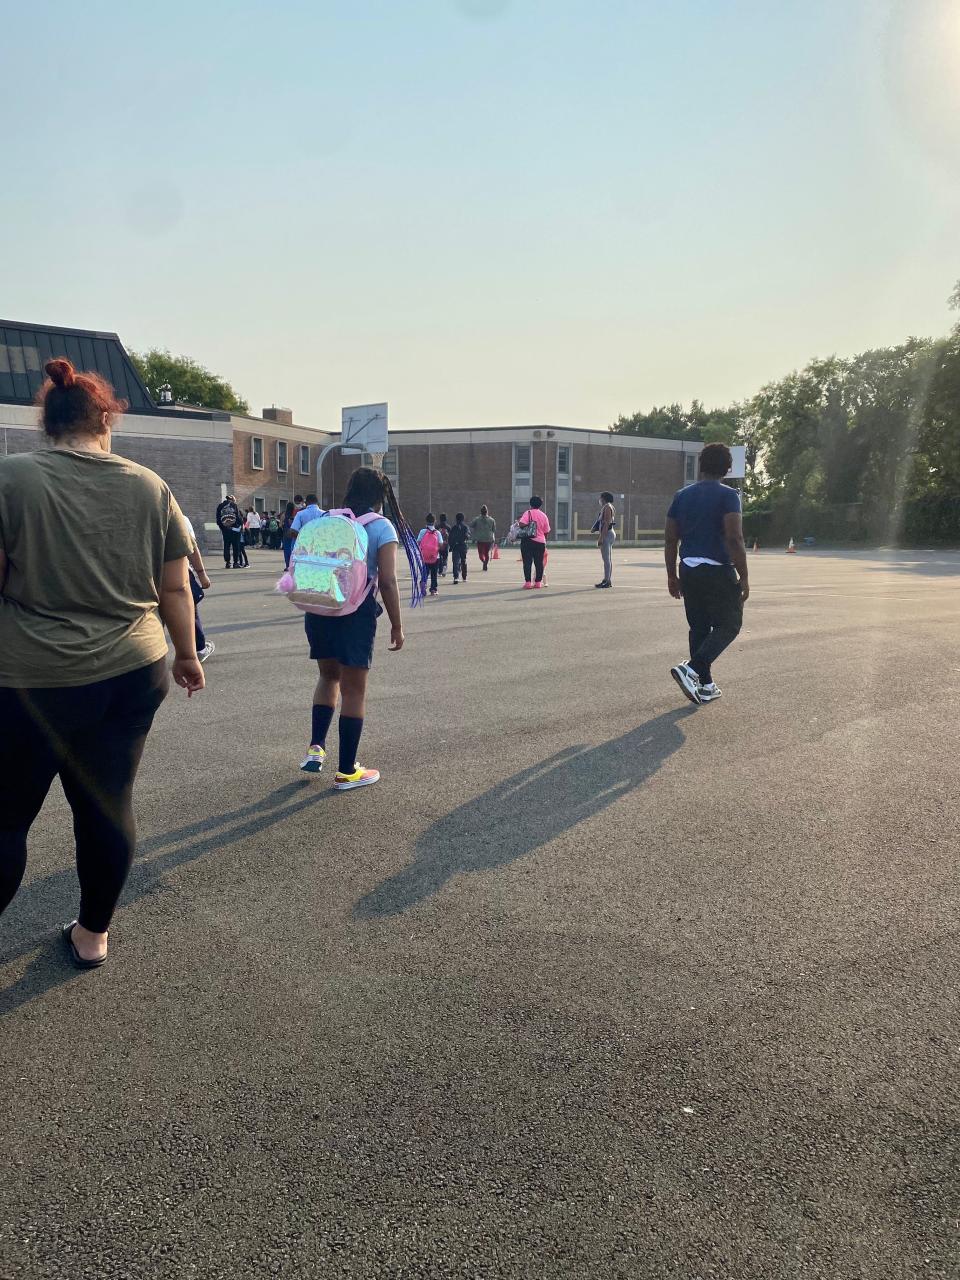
343, 646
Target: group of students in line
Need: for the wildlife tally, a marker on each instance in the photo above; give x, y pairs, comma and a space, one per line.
438, 540
84, 632
441, 542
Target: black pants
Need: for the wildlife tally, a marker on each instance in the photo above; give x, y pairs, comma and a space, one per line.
232, 545
532, 554
430, 571
459, 562
711, 597
92, 736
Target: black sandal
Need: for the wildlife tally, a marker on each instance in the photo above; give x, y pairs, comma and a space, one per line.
66, 932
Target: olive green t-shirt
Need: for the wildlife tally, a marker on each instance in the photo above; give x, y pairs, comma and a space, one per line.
86, 536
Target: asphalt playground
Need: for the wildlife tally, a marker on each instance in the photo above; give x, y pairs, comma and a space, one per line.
593, 984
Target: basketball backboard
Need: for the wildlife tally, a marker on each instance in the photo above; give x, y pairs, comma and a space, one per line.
363, 429
739, 469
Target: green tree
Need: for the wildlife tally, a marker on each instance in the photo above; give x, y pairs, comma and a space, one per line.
665, 422
188, 381
862, 447
837, 440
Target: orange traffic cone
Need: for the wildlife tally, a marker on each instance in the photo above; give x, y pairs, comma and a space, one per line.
791, 550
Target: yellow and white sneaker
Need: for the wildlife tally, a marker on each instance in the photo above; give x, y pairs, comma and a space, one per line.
359, 778
314, 760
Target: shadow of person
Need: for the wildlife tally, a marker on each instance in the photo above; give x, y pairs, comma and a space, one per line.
53, 897
527, 811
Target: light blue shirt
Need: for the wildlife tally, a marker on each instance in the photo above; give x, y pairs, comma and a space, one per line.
380, 533
303, 517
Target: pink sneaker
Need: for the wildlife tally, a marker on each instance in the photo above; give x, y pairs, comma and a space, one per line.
528, 586
537, 586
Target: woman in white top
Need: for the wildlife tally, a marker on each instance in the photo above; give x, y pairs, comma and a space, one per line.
252, 526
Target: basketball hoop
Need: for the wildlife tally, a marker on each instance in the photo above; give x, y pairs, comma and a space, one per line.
363, 434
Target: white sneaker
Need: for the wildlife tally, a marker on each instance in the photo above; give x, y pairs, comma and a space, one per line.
206, 651
688, 680
710, 692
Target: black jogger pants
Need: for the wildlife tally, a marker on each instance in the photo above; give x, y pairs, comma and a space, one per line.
714, 608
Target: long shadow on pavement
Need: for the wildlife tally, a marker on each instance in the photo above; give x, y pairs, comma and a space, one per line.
527, 811
54, 896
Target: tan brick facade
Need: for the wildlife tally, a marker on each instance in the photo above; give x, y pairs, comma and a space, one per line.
269, 483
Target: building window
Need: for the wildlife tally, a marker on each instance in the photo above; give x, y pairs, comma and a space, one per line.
259, 505
256, 453
304, 451
563, 517
690, 469
563, 460
520, 509
281, 457
521, 459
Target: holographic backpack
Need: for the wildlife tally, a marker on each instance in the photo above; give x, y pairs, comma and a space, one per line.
328, 567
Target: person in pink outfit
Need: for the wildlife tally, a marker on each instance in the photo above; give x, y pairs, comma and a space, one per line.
533, 548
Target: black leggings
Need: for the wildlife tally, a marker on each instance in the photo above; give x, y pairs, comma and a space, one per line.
92, 736
532, 555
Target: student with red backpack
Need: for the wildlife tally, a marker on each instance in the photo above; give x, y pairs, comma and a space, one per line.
430, 542
339, 563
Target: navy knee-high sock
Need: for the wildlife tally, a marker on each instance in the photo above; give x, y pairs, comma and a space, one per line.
351, 728
321, 724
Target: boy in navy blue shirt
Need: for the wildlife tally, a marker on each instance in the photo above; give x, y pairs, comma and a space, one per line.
705, 521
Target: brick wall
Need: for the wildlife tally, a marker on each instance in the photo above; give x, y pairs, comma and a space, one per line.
460, 477
440, 478
194, 469
648, 479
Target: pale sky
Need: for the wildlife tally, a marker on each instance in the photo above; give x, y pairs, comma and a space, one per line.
484, 211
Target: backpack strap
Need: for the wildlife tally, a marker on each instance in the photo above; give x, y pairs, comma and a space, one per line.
366, 519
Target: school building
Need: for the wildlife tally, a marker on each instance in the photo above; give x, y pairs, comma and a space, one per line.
205, 454
446, 471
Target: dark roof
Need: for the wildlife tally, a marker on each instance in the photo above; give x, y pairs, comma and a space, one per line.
25, 349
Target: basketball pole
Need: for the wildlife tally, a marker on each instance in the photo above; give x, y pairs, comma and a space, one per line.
327, 449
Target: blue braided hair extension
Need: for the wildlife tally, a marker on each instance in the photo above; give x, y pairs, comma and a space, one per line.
408, 540
369, 488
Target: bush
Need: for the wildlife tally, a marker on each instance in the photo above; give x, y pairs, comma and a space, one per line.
932, 518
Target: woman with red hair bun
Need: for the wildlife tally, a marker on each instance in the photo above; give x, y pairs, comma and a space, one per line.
83, 654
